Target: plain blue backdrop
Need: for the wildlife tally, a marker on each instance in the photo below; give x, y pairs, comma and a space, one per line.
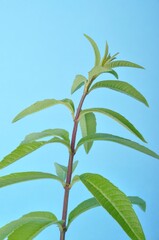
42, 48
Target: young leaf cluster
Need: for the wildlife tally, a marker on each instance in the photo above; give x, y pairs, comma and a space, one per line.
104, 193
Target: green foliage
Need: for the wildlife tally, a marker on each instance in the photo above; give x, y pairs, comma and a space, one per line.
40, 105
122, 63
88, 127
92, 203
120, 140
28, 226
138, 201
61, 170
116, 116
98, 70
122, 87
26, 176
47, 133
26, 148
95, 48
81, 208
79, 81
115, 202
105, 194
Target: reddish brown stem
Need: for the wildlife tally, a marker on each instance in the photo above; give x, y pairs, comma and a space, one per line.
69, 171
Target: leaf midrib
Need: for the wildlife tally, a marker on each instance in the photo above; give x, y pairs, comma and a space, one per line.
120, 214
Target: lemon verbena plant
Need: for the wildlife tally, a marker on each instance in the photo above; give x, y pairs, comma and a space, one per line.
104, 193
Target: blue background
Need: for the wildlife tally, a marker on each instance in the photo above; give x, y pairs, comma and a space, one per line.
42, 48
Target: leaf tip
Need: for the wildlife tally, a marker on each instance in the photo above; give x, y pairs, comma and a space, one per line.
139, 66
147, 105
85, 35
142, 67
14, 120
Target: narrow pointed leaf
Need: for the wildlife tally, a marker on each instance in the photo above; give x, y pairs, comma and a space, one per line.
111, 58
59, 140
61, 171
21, 151
122, 87
74, 165
47, 133
25, 176
95, 48
92, 203
79, 81
24, 149
115, 202
122, 63
28, 226
74, 180
138, 201
98, 70
40, 105
117, 117
81, 208
105, 54
114, 73
88, 126
120, 140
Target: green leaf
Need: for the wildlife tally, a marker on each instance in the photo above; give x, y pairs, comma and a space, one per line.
74, 165
40, 105
92, 203
21, 151
122, 63
47, 133
88, 126
79, 81
97, 70
95, 48
81, 208
105, 54
25, 176
111, 58
28, 226
74, 180
122, 87
138, 201
61, 171
24, 149
58, 140
114, 73
117, 117
115, 202
120, 140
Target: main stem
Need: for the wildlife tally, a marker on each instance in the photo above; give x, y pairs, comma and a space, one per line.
69, 171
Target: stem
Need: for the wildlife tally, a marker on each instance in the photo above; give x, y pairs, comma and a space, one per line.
69, 171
